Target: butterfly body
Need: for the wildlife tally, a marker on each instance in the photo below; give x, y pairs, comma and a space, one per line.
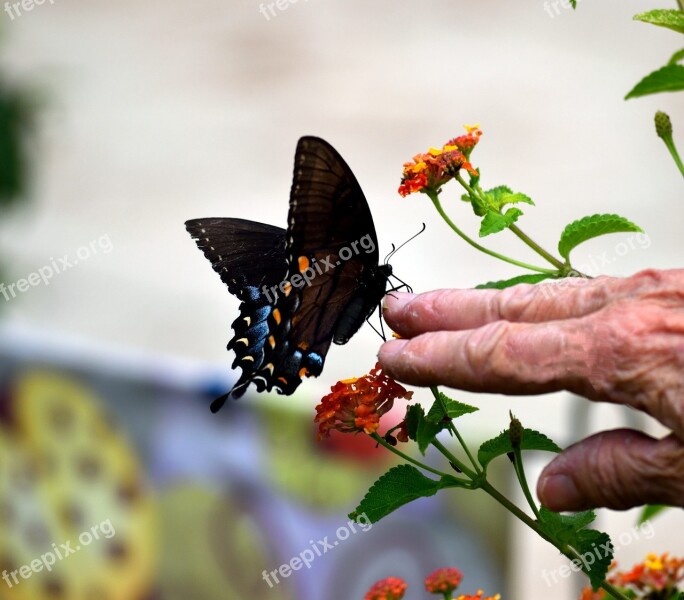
302, 288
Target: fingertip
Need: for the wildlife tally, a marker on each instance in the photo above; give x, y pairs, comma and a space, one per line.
395, 301
390, 350
558, 492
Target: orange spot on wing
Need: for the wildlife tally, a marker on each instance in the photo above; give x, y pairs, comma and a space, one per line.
303, 263
271, 341
288, 288
303, 345
303, 372
277, 316
283, 380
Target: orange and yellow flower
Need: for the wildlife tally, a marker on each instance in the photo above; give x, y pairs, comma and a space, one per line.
431, 170
478, 596
466, 143
656, 574
355, 405
392, 588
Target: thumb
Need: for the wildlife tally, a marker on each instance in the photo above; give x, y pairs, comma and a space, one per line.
617, 469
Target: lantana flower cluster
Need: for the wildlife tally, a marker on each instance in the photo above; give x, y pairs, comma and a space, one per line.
429, 171
356, 405
442, 581
655, 578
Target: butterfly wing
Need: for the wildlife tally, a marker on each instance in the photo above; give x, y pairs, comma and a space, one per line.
243, 253
332, 247
250, 259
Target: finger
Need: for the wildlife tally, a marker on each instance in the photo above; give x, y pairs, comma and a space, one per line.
454, 310
617, 469
502, 357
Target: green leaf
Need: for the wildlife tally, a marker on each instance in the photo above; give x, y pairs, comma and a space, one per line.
399, 486
669, 78
494, 222
676, 57
597, 545
502, 195
500, 285
557, 525
670, 18
454, 409
420, 429
587, 228
650, 511
594, 546
574, 4
413, 415
501, 444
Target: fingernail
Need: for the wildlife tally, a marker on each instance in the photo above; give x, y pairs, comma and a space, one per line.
558, 492
395, 300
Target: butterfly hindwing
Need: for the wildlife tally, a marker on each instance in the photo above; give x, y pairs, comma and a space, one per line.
249, 257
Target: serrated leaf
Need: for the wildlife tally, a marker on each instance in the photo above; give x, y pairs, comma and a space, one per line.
669, 78
597, 545
399, 486
649, 511
505, 283
594, 546
497, 192
454, 409
590, 227
502, 195
556, 524
501, 444
427, 430
676, 57
670, 18
516, 198
494, 222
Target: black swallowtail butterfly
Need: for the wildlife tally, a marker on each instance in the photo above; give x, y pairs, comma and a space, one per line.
301, 288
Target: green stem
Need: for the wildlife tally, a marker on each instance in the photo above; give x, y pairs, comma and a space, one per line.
567, 551
681, 5
454, 430
520, 472
669, 142
536, 247
391, 448
464, 237
452, 459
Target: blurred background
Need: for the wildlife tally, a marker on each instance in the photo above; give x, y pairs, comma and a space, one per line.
120, 121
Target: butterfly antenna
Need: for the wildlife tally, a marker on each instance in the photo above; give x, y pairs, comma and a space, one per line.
395, 250
392, 251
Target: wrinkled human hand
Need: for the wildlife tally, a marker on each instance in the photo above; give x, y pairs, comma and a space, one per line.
607, 339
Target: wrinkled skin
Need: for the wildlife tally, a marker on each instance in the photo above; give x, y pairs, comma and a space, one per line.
607, 339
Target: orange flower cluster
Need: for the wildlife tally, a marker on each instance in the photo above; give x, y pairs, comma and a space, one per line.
656, 574
392, 588
431, 170
355, 405
443, 581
